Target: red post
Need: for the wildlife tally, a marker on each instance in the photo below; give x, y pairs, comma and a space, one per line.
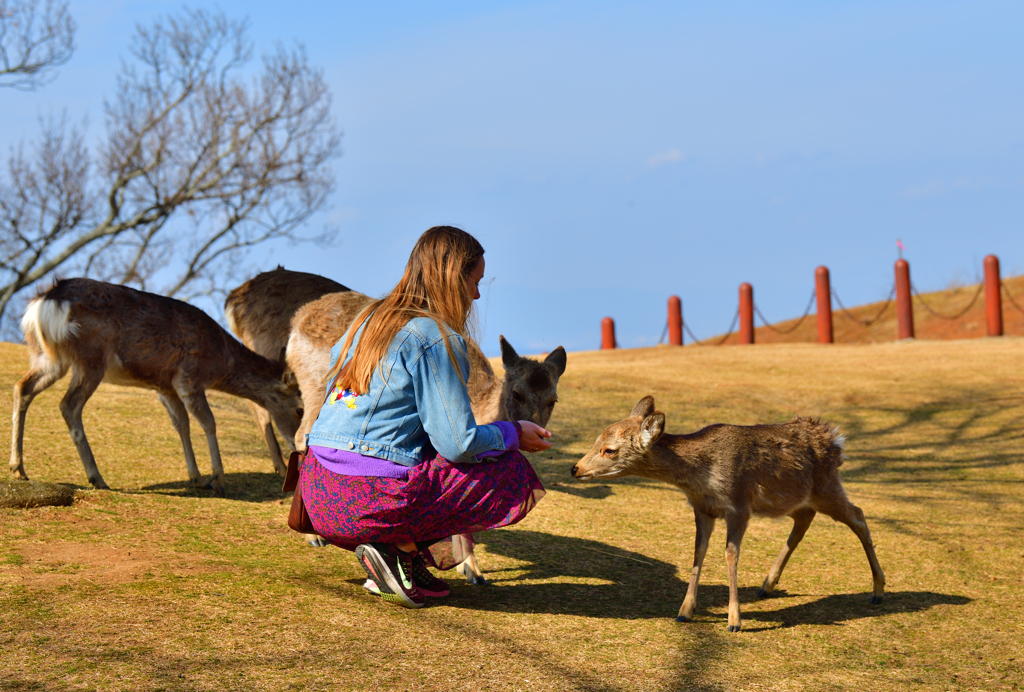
746, 313
824, 292
993, 299
904, 309
675, 321
607, 333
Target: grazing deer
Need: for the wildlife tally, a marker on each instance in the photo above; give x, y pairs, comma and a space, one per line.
260, 312
734, 471
105, 332
528, 391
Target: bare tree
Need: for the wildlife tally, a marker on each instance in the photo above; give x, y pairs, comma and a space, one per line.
200, 163
33, 41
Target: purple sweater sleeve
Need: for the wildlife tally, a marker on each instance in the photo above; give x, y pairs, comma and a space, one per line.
509, 435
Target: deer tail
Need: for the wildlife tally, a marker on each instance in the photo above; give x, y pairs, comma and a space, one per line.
836, 445
46, 324
825, 439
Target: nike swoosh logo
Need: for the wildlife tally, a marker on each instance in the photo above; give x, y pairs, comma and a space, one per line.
406, 582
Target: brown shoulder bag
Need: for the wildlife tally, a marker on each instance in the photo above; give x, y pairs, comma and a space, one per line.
298, 518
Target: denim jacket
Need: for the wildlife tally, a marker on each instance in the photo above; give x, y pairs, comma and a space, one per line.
419, 402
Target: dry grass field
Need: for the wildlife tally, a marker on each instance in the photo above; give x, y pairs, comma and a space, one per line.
155, 586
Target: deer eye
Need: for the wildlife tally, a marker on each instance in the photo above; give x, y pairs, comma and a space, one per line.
608, 452
551, 404
517, 396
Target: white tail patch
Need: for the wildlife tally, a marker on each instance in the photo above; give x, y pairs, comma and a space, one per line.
49, 322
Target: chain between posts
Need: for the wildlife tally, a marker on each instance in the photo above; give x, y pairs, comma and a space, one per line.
865, 323
1006, 290
957, 316
735, 319
795, 326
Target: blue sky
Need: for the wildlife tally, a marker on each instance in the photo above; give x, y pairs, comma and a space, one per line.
609, 155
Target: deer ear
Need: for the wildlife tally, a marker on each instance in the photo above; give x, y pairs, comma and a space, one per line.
557, 359
651, 429
643, 408
509, 357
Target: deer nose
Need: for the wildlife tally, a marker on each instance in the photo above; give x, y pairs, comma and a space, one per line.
574, 469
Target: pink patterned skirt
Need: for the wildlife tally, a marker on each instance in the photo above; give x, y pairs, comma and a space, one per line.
439, 500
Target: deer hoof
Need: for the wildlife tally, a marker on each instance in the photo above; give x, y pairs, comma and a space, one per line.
734, 628
875, 600
682, 618
476, 580
316, 541
763, 594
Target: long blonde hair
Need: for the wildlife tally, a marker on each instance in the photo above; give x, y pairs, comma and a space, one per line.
433, 285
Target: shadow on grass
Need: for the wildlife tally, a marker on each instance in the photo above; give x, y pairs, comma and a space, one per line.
573, 576
247, 486
828, 610
588, 492
965, 419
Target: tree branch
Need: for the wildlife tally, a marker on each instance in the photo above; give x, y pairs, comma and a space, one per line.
33, 42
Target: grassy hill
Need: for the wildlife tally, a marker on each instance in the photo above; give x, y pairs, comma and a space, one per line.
154, 585
848, 327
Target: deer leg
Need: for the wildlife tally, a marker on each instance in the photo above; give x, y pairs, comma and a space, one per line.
266, 429
802, 519
179, 419
852, 516
312, 403
736, 526
84, 382
25, 390
705, 525
199, 407
469, 568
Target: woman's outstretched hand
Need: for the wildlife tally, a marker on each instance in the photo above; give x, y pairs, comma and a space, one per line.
533, 437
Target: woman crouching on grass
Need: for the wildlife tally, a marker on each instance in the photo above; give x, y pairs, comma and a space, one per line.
395, 461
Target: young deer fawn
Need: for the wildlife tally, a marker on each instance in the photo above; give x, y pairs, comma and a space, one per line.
734, 471
105, 332
260, 312
528, 391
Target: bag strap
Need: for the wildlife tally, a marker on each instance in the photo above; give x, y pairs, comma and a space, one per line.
291, 477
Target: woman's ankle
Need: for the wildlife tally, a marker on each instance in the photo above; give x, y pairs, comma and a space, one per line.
407, 548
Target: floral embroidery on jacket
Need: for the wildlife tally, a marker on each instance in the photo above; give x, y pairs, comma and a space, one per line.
346, 395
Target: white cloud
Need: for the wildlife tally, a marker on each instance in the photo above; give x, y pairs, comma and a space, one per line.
665, 157
936, 188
